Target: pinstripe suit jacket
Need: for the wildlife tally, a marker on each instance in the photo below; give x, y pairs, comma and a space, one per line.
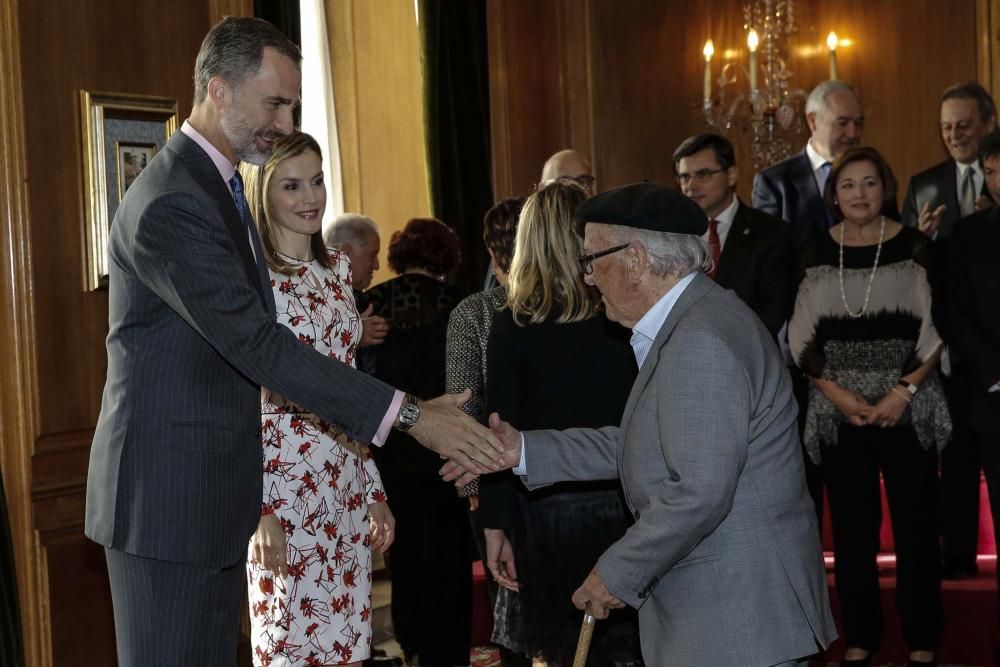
175, 466
724, 561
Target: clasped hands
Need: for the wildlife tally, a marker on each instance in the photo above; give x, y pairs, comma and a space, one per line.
509, 439
860, 412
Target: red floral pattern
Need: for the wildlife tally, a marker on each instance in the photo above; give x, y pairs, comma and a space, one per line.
319, 483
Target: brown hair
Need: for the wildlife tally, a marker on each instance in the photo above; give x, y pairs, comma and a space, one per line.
424, 243
861, 154
256, 181
499, 229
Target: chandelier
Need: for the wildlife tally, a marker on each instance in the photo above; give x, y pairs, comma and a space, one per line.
759, 100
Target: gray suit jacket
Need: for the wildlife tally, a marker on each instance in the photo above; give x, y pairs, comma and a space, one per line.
724, 560
175, 466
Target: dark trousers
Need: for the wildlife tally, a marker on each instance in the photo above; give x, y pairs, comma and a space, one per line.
174, 614
960, 465
851, 472
989, 449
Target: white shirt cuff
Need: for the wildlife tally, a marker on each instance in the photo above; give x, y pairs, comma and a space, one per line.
521, 469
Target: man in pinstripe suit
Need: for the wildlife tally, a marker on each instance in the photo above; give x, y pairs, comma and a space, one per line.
174, 487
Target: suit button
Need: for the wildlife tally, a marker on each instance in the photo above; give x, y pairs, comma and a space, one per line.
636, 515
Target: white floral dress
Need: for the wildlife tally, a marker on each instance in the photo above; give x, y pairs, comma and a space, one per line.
319, 483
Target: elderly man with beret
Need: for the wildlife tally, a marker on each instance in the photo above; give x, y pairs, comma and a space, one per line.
724, 560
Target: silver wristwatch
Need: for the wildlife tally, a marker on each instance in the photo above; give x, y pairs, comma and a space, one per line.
409, 413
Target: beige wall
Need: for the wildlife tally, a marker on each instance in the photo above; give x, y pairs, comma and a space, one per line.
375, 57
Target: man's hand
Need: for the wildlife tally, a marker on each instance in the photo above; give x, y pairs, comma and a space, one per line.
373, 328
596, 593
928, 220
268, 546
510, 439
449, 432
983, 202
500, 559
381, 526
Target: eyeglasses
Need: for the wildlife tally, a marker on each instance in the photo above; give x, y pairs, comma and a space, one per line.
587, 261
699, 176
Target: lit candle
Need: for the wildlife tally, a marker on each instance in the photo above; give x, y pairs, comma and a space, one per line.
708, 51
831, 43
752, 42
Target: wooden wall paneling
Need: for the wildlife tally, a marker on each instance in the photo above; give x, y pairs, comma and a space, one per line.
217, 9
645, 88
17, 387
988, 22
375, 51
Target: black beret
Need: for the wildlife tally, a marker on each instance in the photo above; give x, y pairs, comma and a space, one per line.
645, 206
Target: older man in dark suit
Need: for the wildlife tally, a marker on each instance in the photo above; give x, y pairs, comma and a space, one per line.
974, 320
751, 250
174, 486
935, 200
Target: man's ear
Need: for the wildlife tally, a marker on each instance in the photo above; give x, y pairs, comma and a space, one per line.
636, 261
732, 176
811, 121
219, 92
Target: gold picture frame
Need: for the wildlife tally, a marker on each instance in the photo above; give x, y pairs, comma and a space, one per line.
115, 125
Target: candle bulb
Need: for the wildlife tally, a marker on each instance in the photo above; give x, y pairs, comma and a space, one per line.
708, 51
752, 42
831, 43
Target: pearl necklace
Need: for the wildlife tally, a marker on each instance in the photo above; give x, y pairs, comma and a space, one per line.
871, 278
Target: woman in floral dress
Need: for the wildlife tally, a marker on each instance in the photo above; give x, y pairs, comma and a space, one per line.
324, 508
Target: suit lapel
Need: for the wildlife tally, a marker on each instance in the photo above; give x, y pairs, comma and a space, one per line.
694, 292
205, 173
739, 242
805, 182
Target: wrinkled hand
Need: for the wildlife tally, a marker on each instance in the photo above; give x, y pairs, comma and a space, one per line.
510, 440
500, 559
444, 429
381, 526
983, 202
887, 411
268, 546
373, 328
928, 220
594, 592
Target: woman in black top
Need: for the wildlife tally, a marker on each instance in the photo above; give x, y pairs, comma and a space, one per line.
430, 561
555, 361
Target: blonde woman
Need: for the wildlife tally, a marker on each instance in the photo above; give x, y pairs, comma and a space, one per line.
555, 361
323, 508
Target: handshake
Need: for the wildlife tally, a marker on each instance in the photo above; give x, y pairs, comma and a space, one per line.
471, 448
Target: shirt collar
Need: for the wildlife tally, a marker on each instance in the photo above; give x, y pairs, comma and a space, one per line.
226, 168
815, 159
976, 167
725, 218
650, 324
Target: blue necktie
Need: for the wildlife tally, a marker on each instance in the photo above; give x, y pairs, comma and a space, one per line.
236, 184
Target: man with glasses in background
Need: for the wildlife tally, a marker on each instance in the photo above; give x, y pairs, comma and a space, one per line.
751, 250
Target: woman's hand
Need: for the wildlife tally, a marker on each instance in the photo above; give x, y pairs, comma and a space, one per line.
500, 559
851, 405
888, 410
381, 526
268, 546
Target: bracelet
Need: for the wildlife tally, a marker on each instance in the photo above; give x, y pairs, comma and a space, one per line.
899, 392
909, 386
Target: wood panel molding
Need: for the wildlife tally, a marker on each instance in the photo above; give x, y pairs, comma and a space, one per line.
988, 44
17, 372
220, 8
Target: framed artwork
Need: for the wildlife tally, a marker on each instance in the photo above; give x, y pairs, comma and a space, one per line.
121, 134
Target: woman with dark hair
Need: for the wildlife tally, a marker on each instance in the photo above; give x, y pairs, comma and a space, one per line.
431, 560
323, 508
555, 361
862, 332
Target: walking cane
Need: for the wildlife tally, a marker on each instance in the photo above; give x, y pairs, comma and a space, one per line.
586, 634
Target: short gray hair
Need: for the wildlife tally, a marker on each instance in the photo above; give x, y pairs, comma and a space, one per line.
816, 101
671, 254
234, 48
352, 228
